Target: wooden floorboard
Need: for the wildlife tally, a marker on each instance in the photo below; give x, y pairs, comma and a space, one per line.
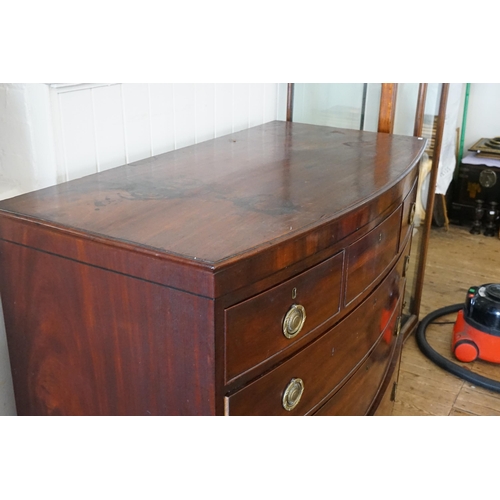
456, 260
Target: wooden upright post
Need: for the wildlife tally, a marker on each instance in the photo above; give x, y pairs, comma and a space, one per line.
387, 107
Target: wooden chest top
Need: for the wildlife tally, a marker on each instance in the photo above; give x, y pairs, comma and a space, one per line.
224, 197
217, 216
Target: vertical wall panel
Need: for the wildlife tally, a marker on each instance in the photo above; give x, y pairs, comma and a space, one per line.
106, 126
373, 94
205, 111
184, 114
281, 101
108, 119
256, 105
406, 107
223, 109
299, 104
241, 96
78, 134
16, 151
270, 102
162, 117
137, 120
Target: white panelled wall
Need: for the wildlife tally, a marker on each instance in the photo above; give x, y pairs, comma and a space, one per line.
107, 126
27, 155
51, 133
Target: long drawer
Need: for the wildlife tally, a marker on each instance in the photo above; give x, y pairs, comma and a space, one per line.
264, 325
321, 367
367, 379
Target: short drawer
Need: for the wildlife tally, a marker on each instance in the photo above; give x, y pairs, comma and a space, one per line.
368, 257
325, 363
366, 380
264, 325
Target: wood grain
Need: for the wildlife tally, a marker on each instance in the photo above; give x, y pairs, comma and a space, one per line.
387, 108
367, 379
86, 341
371, 255
325, 363
253, 187
318, 290
115, 286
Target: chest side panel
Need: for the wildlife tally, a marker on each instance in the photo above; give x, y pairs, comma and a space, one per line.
87, 341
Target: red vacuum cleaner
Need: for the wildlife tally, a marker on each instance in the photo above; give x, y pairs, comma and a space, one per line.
477, 329
476, 334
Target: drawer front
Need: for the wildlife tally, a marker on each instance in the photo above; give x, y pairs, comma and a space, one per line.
325, 363
366, 380
368, 257
408, 215
254, 329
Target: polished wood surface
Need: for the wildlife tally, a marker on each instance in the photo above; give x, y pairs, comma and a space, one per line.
371, 255
318, 290
367, 379
152, 278
329, 360
261, 183
87, 341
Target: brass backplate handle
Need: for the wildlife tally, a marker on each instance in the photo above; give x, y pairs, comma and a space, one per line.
294, 321
292, 394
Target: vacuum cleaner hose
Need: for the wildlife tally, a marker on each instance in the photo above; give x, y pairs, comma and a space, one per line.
444, 363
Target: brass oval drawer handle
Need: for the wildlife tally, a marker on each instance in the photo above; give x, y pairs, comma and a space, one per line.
293, 393
294, 321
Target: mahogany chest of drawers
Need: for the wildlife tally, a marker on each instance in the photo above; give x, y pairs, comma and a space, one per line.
260, 273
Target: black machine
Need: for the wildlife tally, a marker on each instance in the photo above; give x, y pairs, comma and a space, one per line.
476, 188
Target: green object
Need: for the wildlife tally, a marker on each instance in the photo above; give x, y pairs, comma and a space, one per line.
464, 124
